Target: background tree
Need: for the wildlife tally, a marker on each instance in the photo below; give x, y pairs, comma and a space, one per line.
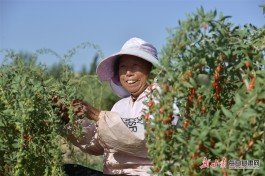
93, 65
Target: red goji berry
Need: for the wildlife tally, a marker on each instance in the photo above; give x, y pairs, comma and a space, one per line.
162, 110
199, 97
253, 81
199, 147
204, 109
192, 91
150, 104
217, 97
250, 87
218, 69
185, 124
167, 87
190, 98
216, 77
247, 63
214, 84
146, 117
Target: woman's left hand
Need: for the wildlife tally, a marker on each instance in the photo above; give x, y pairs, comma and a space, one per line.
82, 109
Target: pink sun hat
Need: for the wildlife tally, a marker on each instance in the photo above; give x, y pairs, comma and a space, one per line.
135, 47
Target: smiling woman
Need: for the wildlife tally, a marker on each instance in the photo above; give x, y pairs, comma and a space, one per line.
119, 133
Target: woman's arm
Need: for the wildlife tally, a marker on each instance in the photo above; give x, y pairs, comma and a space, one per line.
109, 129
81, 132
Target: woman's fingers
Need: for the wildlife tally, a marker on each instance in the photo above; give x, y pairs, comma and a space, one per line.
79, 107
76, 102
80, 110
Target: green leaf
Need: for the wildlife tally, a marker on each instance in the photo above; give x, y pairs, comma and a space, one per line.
203, 134
226, 112
238, 99
218, 149
192, 82
186, 84
216, 118
248, 113
180, 139
15, 145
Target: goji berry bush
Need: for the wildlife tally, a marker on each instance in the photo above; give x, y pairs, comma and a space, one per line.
29, 124
30, 116
214, 72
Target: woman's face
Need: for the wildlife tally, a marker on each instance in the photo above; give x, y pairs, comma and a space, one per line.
133, 74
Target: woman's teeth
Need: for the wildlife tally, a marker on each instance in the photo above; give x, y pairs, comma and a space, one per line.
131, 82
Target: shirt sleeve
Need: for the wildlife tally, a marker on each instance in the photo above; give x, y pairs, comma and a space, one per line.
115, 134
84, 135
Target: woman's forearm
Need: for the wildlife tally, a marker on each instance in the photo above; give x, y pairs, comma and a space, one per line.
92, 113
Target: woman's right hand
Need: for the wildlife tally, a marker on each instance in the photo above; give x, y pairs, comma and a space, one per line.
83, 109
80, 109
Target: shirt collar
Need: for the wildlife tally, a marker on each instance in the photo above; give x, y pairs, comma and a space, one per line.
142, 95
153, 86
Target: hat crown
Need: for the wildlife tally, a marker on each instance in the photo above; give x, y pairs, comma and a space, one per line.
138, 43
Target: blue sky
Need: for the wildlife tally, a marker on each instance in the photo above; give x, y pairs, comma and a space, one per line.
28, 25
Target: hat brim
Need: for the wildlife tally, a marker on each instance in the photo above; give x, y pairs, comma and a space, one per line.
119, 90
105, 69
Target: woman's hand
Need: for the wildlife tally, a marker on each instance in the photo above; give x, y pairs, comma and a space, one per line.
80, 108
83, 109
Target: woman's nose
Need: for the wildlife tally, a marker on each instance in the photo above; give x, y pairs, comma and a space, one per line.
129, 72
